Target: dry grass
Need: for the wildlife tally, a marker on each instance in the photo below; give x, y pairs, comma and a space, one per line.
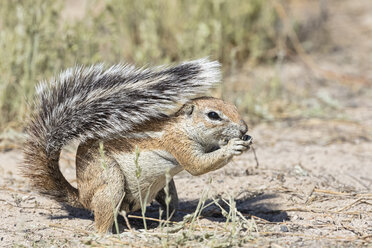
234, 227
38, 41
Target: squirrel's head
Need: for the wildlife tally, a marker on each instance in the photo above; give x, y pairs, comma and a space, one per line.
211, 121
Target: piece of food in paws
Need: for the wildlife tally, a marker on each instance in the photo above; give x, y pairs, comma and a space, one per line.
247, 137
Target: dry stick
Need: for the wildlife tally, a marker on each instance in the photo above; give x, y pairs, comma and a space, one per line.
310, 236
255, 156
5, 147
322, 211
349, 228
169, 221
330, 192
4, 188
346, 79
33, 207
308, 199
350, 205
124, 214
258, 218
368, 236
149, 218
116, 240
247, 215
69, 228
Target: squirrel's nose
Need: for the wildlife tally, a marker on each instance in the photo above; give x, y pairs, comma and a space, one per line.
243, 127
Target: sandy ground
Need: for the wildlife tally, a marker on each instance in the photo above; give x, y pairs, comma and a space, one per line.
312, 185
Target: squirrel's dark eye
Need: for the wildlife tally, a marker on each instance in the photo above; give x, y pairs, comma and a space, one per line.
213, 116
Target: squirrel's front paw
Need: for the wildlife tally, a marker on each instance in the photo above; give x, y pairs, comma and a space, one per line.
236, 146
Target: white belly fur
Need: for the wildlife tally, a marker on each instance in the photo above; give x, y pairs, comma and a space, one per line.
154, 165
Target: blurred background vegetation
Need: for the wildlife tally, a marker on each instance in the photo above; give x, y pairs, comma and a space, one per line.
40, 38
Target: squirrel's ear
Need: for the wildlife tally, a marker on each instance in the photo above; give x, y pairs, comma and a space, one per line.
187, 109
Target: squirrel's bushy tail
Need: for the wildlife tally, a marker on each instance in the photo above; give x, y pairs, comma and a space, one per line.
91, 102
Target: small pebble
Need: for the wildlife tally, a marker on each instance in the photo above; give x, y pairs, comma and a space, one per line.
284, 228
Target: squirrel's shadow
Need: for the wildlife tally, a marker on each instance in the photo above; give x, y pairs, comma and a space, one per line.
256, 205
74, 213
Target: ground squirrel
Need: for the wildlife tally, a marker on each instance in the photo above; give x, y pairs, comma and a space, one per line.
158, 111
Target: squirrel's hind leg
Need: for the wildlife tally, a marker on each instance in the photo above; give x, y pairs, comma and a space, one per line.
107, 198
173, 204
